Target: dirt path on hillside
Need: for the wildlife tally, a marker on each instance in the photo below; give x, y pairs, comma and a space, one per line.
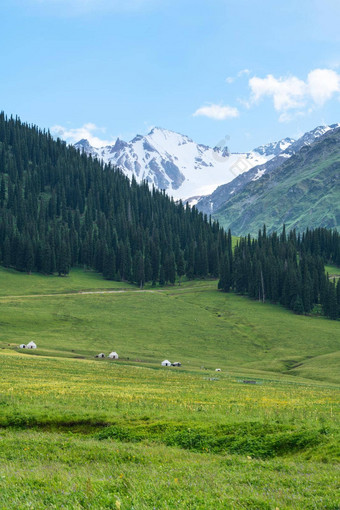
90, 292
76, 293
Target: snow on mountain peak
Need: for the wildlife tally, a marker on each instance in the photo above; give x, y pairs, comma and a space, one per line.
183, 168
174, 162
83, 143
274, 148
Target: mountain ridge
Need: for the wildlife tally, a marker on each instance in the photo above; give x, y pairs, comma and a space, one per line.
193, 172
302, 192
174, 162
210, 204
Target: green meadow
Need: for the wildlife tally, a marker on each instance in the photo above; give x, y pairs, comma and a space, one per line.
333, 271
78, 432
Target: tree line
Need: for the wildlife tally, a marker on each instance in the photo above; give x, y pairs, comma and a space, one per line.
60, 208
287, 269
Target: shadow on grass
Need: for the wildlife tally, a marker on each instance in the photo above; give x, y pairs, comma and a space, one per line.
259, 440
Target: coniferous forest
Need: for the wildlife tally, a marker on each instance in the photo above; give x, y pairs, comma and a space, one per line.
60, 208
286, 269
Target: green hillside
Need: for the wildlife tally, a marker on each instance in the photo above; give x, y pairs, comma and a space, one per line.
130, 434
191, 323
304, 192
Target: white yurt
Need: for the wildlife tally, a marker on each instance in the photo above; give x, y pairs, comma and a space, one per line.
101, 355
166, 363
218, 370
31, 345
113, 355
22, 346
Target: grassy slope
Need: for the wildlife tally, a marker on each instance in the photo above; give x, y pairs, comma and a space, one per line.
195, 325
309, 183
333, 271
133, 435
14, 283
164, 438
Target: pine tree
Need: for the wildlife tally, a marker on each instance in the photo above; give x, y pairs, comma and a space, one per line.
298, 306
138, 265
224, 283
332, 311
162, 276
28, 257
63, 261
180, 265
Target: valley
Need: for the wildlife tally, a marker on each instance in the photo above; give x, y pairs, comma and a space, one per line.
169, 255
156, 436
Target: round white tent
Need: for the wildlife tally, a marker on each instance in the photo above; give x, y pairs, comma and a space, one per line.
113, 355
31, 345
101, 355
22, 346
166, 363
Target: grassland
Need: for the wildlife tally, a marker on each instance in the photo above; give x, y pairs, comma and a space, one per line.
333, 271
76, 432
14, 283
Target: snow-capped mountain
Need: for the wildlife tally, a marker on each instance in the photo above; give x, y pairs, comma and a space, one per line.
191, 171
174, 162
211, 203
274, 148
302, 192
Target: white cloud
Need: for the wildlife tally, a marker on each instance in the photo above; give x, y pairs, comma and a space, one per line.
289, 116
294, 97
322, 84
217, 112
87, 131
241, 73
286, 93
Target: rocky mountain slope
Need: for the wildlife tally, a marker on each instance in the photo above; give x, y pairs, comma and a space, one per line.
177, 164
303, 191
282, 151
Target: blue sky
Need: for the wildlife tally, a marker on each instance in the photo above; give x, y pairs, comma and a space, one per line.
250, 71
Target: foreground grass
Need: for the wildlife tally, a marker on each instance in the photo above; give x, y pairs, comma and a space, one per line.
62, 471
86, 434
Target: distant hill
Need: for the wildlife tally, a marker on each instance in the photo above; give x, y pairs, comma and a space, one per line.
280, 152
302, 192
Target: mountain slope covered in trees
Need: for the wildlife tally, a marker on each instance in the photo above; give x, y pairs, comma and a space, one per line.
303, 192
286, 269
60, 208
